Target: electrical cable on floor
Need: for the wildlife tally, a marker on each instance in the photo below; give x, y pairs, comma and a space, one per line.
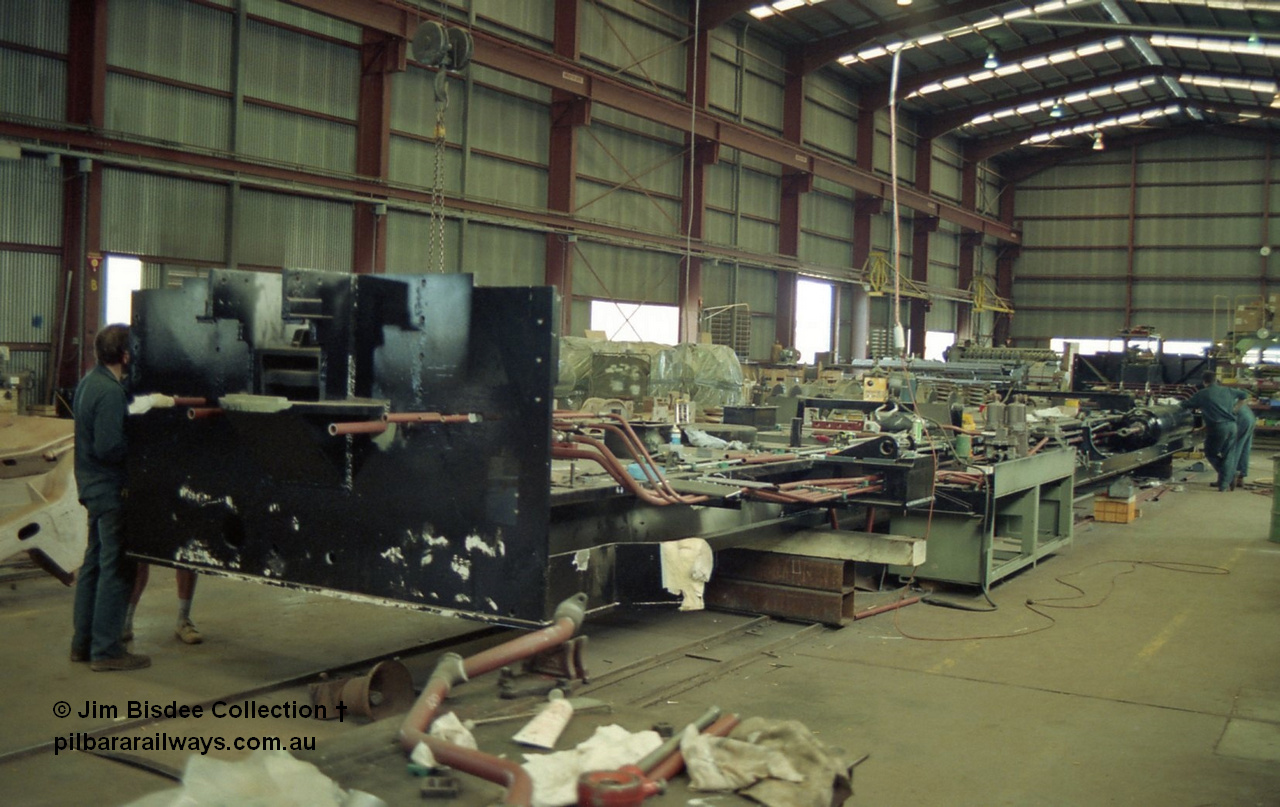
1034, 605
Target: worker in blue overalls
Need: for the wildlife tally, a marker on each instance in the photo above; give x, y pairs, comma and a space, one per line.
1217, 405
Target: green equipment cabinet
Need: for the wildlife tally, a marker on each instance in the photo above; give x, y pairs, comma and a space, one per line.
1021, 514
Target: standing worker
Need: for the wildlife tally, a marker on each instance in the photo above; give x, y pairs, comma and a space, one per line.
1217, 406
106, 576
1238, 462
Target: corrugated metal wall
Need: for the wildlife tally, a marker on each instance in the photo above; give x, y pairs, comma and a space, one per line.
1196, 204
160, 216
34, 84
636, 39
629, 173
294, 231
30, 267
171, 75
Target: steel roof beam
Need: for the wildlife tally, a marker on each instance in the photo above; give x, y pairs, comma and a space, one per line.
560, 74
717, 12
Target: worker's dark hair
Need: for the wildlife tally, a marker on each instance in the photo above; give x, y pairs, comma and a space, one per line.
1209, 378
111, 343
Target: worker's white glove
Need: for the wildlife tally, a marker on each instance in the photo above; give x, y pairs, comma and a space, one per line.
145, 403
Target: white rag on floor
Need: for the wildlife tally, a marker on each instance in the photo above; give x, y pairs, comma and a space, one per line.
263, 779
778, 763
450, 729
686, 568
555, 776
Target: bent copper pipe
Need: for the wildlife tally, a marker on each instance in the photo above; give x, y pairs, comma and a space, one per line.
662, 487
452, 669
658, 767
637, 450
202, 412
674, 763
619, 474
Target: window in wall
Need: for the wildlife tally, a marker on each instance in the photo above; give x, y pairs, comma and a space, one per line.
1089, 347
1184, 348
122, 277
936, 344
636, 322
813, 318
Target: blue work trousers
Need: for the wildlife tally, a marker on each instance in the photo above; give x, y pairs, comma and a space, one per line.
1241, 447
103, 584
1219, 440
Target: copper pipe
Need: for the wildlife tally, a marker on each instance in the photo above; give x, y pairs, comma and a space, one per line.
651, 474
1044, 441
619, 475
673, 764
429, 417
453, 669
357, 427
839, 481
636, 448
761, 459
880, 609
662, 487
200, 413
181, 401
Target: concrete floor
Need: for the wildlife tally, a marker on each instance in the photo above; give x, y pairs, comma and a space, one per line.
1167, 692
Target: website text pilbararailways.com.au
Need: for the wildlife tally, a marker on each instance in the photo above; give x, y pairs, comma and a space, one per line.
165, 741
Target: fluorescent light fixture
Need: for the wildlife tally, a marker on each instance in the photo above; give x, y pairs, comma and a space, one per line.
1244, 85
992, 61
982, 25
1097, 126
1228, 5
1016, 67
904, 2
1056, 105
760, 12
1209, 45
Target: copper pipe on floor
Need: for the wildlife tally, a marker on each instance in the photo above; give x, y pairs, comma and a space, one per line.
880, 609
452, 669
673, 764
200, 413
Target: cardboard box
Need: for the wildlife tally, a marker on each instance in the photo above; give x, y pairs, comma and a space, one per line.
1115, 511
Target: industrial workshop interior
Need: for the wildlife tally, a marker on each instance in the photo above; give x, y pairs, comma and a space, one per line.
610, 402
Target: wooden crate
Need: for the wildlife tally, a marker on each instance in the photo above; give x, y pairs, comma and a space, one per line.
1115, 511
